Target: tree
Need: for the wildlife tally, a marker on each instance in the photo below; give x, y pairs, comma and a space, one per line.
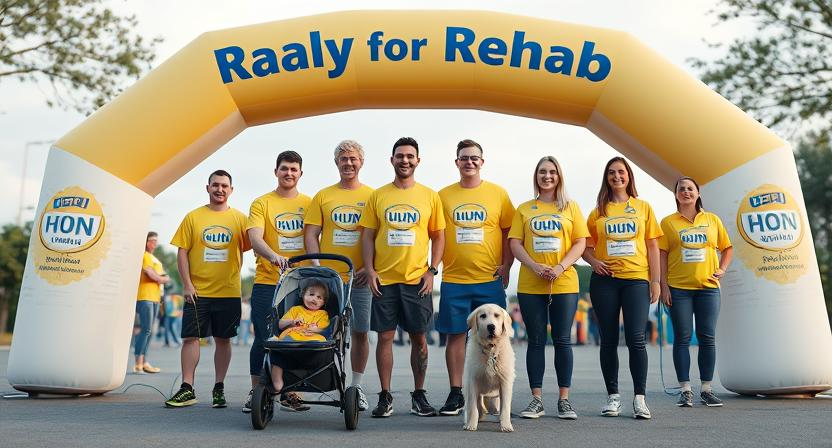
85, 51
782, 75
14, 245
168, 260
814, 163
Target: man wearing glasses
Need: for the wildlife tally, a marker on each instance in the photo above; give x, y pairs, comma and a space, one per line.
477, 260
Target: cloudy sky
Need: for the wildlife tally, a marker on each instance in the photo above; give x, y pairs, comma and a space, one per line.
676, 29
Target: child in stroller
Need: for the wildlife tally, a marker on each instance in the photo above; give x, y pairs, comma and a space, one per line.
303, 322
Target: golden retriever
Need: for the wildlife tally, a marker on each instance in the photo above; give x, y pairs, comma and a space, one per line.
489, 367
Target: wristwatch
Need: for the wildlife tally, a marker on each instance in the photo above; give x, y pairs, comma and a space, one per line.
433, 270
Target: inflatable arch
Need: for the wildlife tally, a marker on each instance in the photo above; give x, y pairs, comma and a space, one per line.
77, 300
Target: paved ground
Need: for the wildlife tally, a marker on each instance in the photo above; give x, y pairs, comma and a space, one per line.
137, 417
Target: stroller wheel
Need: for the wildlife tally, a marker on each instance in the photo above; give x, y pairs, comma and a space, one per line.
351, 407
262, 407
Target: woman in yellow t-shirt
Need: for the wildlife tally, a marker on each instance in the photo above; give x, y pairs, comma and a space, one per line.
147, 302
547, 236
691, 270
623, 251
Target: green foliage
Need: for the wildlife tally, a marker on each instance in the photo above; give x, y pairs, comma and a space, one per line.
14, 245
782, 74
84, 50
814, 163
168, 260
584, 273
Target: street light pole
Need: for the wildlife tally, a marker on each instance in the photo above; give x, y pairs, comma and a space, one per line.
23, 175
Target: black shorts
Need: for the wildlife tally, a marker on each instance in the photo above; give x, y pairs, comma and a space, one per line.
401, 304
217, 317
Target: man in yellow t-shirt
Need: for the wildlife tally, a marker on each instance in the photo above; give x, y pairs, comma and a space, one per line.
147, 302
211, 241
398, 222
476, 261
275, 229
333, 217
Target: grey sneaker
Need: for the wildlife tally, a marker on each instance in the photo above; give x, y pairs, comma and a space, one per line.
565, 410
685, 399
640, 410
247, 403
613, 406
362, 399
534, 409
709, 399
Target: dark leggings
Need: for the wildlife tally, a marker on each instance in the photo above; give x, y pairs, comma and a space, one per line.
261, 305
609, 297
704, 304
560, 314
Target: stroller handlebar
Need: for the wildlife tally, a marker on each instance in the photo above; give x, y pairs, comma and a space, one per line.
334, 257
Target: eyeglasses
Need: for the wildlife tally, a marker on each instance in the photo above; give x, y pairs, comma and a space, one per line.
474, 159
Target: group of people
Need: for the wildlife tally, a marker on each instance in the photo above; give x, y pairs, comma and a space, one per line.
406, 230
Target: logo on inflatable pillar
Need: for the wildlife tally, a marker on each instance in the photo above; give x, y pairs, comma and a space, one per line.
772, 224
72, 240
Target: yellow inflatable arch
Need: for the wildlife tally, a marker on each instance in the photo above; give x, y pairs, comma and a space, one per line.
80, 278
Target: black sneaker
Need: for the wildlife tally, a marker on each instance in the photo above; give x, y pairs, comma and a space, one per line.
419, 404
685, 399
247, 403
185, 397
565, 410
218, 396
385, 405
709, 399
454, 404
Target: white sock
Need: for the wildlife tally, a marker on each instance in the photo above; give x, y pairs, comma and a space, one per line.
706, 386
356, 378
639, 399
685, 386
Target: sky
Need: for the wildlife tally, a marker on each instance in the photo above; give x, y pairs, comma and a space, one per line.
676, 29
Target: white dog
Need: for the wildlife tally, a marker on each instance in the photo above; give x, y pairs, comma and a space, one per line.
489, 367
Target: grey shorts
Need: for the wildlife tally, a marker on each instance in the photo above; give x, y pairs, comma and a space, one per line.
402, 305
362, 302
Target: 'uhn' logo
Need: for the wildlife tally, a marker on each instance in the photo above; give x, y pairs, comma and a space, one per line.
621, 229
401, 216
346, 217
470, 216
546, 225
71, 223
770, 219
289, 224
217, 237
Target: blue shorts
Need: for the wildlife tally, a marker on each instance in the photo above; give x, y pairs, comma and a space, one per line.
457, 301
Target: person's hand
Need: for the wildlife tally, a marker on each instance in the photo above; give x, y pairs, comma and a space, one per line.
313, 326
558, 270
359, 278
189, 293
279, 261
373, 281
427, 284
297, 322
543, 271
666, 299
503, 273
600, 268
718, 274
655, 292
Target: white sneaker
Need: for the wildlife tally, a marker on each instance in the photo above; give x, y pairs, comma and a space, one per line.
640, 410
613, 406
534, 409
362, 399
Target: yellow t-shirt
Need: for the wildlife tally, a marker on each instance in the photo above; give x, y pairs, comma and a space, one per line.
547, 235
282, 222
691, 249
402, 220
475, 220
620, 237
148, 289
215, 242
337, 211
309, 317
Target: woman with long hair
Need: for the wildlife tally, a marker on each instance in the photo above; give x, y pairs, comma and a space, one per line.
548, 236
691, 268
623, 251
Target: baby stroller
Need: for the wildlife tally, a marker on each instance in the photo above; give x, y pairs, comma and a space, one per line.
310, 366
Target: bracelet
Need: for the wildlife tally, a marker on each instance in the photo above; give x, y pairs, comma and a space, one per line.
562, 267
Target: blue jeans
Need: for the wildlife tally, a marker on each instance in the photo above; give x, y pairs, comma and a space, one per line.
147, 312
610, 296
537, 312
173, 329
704, 304
262, 297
